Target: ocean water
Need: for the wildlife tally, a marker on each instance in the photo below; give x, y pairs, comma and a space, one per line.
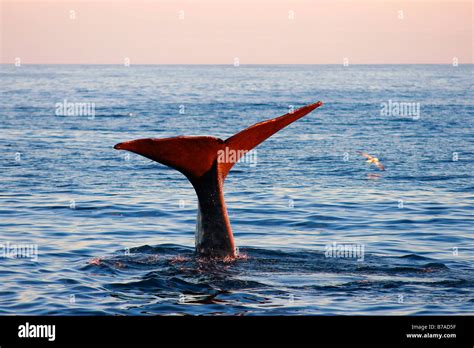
114, 232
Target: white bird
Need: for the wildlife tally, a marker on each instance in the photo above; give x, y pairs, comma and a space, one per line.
372, 160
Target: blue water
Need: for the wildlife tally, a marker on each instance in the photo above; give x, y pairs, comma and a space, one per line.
115, 232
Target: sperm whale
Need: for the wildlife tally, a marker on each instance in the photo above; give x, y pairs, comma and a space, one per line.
200, 159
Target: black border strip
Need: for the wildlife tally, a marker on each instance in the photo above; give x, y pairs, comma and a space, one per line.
194, 330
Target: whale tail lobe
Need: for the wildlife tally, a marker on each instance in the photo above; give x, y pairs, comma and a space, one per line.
200, 160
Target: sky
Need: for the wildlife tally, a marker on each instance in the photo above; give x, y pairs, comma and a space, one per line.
230, 31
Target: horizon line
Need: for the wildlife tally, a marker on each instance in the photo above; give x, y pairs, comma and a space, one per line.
232, 65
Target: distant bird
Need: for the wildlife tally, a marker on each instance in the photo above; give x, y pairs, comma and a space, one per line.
372, 160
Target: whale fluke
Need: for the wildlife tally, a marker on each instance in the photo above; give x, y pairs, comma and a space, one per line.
192, 156
199, 159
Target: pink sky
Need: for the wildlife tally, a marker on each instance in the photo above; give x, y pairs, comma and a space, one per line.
255, 31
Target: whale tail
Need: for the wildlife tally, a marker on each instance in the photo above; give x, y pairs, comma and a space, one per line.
201, 160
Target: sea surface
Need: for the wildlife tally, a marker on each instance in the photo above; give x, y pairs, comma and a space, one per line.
114, 231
